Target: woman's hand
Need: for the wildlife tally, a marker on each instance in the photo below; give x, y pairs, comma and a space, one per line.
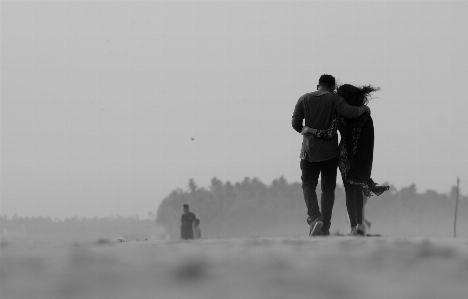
306, 130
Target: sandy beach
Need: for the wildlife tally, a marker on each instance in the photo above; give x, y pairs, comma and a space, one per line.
303, 267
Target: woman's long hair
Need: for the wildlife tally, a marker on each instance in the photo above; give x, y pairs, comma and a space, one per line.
356, 96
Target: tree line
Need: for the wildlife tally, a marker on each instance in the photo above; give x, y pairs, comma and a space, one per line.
251, 208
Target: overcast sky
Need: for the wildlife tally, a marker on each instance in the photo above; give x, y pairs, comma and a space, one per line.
100, 100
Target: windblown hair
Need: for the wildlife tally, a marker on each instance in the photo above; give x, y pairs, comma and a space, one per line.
356, 96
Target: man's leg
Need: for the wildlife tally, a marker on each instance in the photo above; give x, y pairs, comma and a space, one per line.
309, 177
328, 170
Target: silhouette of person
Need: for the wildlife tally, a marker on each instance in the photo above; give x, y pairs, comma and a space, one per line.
187, 219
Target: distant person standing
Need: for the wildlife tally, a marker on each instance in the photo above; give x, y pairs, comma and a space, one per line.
196, 229
186, 229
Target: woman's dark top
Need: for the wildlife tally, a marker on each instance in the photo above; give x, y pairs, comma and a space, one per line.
356, 151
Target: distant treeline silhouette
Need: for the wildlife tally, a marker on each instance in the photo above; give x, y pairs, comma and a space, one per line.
252, 208
46, 229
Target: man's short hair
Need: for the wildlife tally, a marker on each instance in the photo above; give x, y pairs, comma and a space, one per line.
327, 81
186, 205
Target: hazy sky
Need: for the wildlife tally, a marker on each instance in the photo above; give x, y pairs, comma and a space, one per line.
100, 99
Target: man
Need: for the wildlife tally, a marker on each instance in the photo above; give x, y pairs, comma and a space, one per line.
186, 229
320, 156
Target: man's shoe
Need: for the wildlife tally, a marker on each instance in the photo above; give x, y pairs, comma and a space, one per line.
316, 227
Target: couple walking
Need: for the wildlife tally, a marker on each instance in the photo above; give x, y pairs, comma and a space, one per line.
327, 111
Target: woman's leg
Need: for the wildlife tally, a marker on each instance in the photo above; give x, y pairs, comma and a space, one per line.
359, 205
351, 202
366, 222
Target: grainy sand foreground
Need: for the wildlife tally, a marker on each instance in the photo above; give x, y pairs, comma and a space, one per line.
333, 267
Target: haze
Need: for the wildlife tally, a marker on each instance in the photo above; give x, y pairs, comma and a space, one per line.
100, 100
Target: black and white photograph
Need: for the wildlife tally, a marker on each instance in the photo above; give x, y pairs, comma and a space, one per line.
233, 149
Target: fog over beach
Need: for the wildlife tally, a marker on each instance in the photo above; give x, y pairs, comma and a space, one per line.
100, 100
115, 114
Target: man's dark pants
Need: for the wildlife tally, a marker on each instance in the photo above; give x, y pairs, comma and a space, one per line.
310, 175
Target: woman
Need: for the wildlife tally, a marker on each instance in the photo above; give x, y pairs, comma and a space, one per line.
356, 153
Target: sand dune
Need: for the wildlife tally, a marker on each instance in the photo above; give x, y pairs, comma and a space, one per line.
334, 267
